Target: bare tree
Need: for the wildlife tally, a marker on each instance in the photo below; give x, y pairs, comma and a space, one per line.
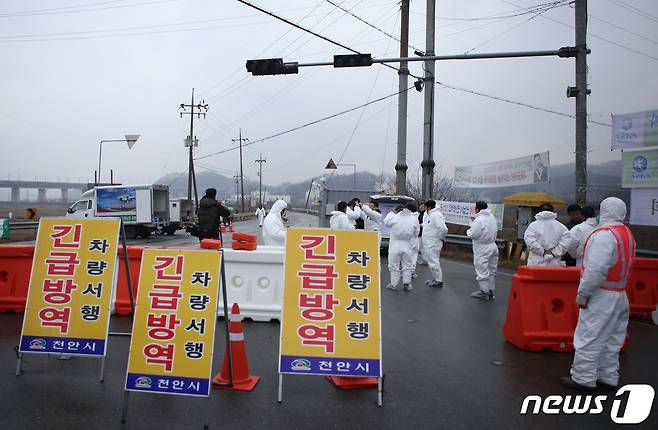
442, 189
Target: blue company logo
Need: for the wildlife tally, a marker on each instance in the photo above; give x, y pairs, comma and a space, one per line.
37, 344
627, 124
143, 382
300, 364
640, 164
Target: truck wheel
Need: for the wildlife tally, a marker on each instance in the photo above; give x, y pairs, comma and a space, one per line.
160, 231
171, 230
131, 232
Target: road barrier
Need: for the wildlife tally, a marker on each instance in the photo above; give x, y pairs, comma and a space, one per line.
121, 302
642, 288
15, 269
542, 311
244, 241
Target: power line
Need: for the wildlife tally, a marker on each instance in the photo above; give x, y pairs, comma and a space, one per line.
78, 8
634, 10
644, 54
527, 10
369, 24
619, 27
478, 93
308, 124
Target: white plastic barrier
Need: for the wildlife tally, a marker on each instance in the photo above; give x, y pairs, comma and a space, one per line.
255, 282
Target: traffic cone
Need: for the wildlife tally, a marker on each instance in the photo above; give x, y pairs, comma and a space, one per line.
230, 227
352, 382
222, 227
242, 380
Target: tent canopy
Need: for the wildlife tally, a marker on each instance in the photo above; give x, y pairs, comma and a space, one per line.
533, 199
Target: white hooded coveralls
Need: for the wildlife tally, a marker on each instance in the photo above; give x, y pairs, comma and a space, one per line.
404, 230
601, 328
340, 221
274, 231
579, 235
483, 232
260, 213
546, 234
434, 233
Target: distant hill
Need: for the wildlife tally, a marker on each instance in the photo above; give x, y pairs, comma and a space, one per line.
604, 181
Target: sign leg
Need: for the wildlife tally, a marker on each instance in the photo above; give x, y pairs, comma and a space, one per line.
102, 376
19, 362
227, 317
126, 262
280, 394
124, 407
380, 392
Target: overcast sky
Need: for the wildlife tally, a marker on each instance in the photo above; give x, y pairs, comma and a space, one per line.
70, 78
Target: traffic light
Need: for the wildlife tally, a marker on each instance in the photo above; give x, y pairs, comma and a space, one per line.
352, 60
271, 66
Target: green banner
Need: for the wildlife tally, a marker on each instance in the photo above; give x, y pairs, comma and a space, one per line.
640, 168
4, 228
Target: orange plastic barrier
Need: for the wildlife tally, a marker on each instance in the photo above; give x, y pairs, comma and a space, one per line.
642, 288
15, 269
122, 302
244, 241
211, 244
542, 313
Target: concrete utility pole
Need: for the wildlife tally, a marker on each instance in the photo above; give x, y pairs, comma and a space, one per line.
260, 162
240, 140
237, 187
581, 93
403, 73
428, 136
191, 142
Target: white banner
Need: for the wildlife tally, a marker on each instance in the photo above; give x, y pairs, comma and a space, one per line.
635, 130
644, 206
531, 169
462, 213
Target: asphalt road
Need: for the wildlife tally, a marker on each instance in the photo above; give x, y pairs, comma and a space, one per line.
444, 357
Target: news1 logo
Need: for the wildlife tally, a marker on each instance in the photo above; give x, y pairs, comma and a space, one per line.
631, 404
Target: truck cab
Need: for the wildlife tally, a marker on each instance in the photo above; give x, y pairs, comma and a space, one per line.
83, 208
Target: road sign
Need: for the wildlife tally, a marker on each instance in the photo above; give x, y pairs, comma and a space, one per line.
31, 213
331, 164
331, 320
174, 328
73, 273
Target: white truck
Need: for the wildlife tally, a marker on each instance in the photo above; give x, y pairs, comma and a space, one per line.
144, 209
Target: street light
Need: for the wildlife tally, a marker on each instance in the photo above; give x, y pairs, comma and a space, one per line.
130, 139
331, 165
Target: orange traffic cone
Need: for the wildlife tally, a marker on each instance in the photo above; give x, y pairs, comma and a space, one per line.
242, 380
230, 227
352, 382
222, 227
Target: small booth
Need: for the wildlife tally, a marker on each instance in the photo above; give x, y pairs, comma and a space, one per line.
528, 204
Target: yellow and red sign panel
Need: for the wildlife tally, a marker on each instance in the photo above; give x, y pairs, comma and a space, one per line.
174, 327
331, 322
73, 273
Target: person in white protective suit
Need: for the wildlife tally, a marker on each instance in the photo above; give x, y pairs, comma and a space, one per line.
339, 219
546, 238
434, 233
609, 253
260, 213
356, 216
580, 232
483, 233
374, 218
404, 230
274, 231
415, 248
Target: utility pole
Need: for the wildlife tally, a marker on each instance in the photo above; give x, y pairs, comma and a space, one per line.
240, 140
581, 91
191, 141
403, 73
260, 162
428, 136
237, 187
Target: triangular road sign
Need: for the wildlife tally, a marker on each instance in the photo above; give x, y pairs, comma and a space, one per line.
331, 164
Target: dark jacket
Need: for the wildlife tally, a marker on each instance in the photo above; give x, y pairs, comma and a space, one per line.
210, 212
421, 215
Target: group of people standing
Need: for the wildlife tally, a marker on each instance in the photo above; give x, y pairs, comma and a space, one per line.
415, 231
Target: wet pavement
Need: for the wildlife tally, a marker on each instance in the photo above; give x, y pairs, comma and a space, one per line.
444, 357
